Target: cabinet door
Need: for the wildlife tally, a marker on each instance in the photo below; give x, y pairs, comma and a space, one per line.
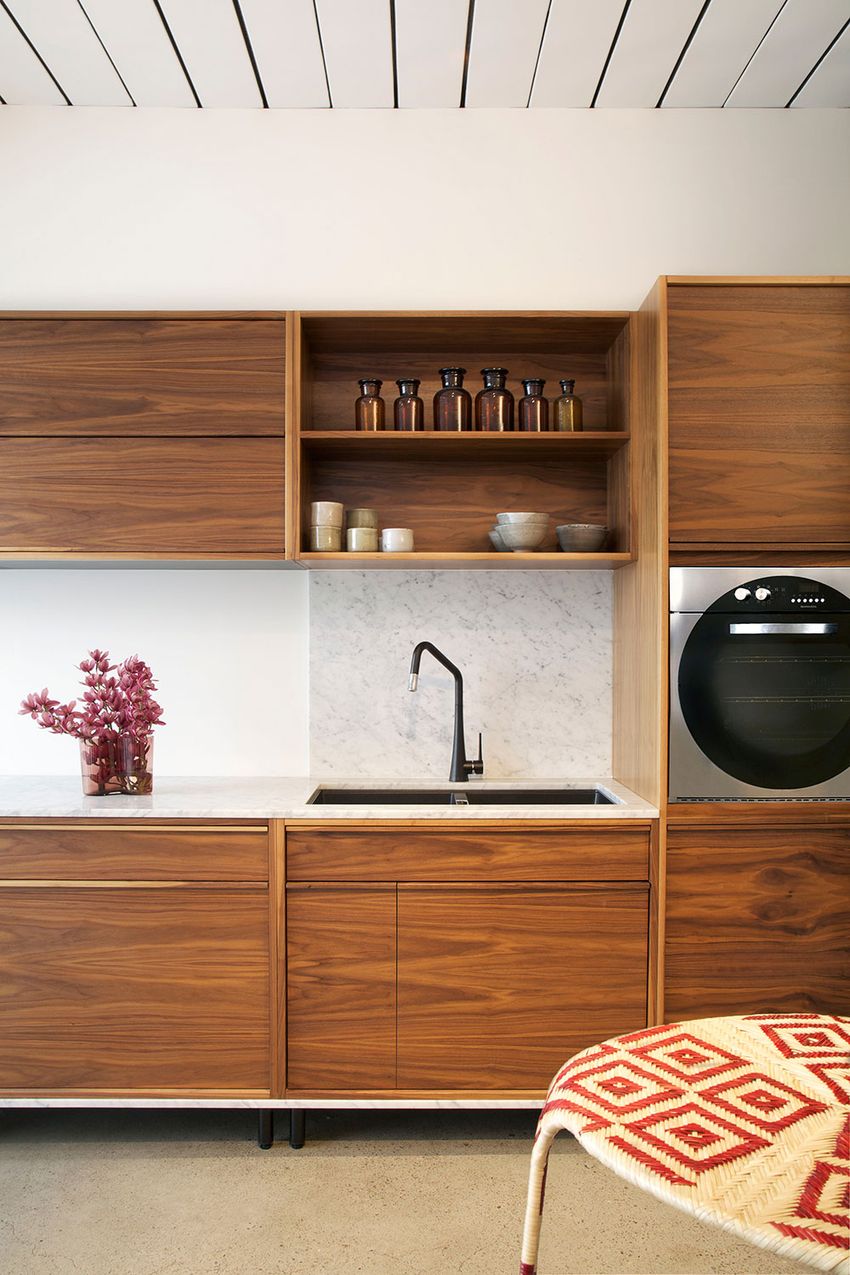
757, 921
759, 384
124, 987
497, 986
341, 994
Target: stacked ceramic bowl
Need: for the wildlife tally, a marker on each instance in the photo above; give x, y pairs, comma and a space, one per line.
326, 526
519, 533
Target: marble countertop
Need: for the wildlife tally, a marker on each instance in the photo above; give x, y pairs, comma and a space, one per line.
59, 797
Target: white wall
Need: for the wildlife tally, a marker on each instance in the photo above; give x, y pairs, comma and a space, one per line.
505, 209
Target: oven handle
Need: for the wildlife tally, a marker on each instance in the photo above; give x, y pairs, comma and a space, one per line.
811, 630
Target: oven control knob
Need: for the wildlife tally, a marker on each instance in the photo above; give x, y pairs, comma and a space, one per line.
742, 593
762, 593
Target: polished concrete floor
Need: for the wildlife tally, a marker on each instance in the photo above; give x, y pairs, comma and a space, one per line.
389, 1193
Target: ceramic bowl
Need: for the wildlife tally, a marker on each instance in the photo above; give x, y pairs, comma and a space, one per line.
523, 537
581, 537
520, 520
495, 534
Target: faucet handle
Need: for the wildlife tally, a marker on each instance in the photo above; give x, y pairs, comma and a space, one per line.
477, 766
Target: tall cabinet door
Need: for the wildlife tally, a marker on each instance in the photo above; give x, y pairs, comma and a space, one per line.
341, 994
499, 984
757, 920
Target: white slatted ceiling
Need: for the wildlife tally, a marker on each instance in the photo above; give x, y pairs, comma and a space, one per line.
830, 84
285, 40
23, 80
138, 43
503, 53
722, 47
63, 36
575, 46
430, 43
210, 42
790, 49
357, 39
652, 37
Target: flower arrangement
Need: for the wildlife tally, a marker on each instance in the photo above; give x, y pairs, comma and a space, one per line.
113, 722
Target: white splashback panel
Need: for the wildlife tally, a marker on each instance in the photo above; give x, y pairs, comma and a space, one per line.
534, 649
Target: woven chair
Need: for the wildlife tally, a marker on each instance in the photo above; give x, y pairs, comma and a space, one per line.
743, 1122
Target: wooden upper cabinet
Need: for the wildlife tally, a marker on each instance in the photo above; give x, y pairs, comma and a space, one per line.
759, 408
142, 437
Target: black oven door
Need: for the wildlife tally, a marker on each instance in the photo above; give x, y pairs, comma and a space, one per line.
767, 697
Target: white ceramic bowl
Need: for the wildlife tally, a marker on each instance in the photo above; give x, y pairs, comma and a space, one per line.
581, 537
520, 520
523, 537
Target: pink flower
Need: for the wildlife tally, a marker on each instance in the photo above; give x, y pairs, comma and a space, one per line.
110, 706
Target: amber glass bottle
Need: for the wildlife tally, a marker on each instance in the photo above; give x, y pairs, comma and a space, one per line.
567, 409
494, 405
452, 404
408, 409
369, 407
533, 408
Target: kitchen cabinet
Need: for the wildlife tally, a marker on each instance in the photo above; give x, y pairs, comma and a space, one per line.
759, 416
757, 917
142, 436
448, 487
135, 960
434, 959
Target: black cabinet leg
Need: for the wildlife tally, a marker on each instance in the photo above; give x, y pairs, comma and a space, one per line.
265, 1128
297, 1124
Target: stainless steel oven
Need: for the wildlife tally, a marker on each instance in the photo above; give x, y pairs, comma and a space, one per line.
759, 683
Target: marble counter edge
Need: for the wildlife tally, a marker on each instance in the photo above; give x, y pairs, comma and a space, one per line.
43, 797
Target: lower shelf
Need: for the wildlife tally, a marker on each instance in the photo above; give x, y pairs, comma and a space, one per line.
464, 561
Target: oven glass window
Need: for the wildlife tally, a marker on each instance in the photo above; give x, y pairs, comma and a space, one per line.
771, 709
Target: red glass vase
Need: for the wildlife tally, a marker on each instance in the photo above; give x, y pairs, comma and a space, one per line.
120, 764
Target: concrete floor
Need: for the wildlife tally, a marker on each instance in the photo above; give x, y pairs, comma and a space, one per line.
389, 1193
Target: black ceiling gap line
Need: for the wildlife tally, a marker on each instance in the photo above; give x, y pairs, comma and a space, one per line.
754, 52
177, 53
470, 19
610, 52
539, 51
681, 56
106, 51
395, 55
322, 51
831, 44
250, 50
17, 24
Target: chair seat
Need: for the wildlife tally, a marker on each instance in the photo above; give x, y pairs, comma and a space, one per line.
743, 1122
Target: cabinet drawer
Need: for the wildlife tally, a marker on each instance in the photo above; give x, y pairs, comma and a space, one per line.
419, 854
100, 851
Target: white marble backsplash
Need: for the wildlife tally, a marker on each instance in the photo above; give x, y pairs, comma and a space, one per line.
535, 649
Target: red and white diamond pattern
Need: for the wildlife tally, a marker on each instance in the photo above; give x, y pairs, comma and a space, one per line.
743, 1120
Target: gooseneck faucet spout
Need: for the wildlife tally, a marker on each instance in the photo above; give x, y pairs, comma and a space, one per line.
461, 769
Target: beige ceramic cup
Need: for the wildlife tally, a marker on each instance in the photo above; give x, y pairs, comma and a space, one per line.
325, 539
326, 513
397, 540
362, 539
361, 518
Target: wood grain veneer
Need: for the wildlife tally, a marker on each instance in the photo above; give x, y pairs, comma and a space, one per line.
600, 853
163, 496
757, 920
759, 410
341, 1000
130, 376
91, 851
463, 1018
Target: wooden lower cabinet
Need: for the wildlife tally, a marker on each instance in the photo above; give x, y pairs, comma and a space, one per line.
466, 986
757, 920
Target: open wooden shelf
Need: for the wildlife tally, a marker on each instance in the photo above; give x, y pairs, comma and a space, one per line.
465, 561
588, 445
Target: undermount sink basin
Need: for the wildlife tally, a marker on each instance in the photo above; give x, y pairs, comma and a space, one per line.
471, 796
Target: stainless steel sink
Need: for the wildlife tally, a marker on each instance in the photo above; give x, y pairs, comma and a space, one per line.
471, 796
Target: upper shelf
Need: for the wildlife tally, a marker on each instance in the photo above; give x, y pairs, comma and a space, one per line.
386, 444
